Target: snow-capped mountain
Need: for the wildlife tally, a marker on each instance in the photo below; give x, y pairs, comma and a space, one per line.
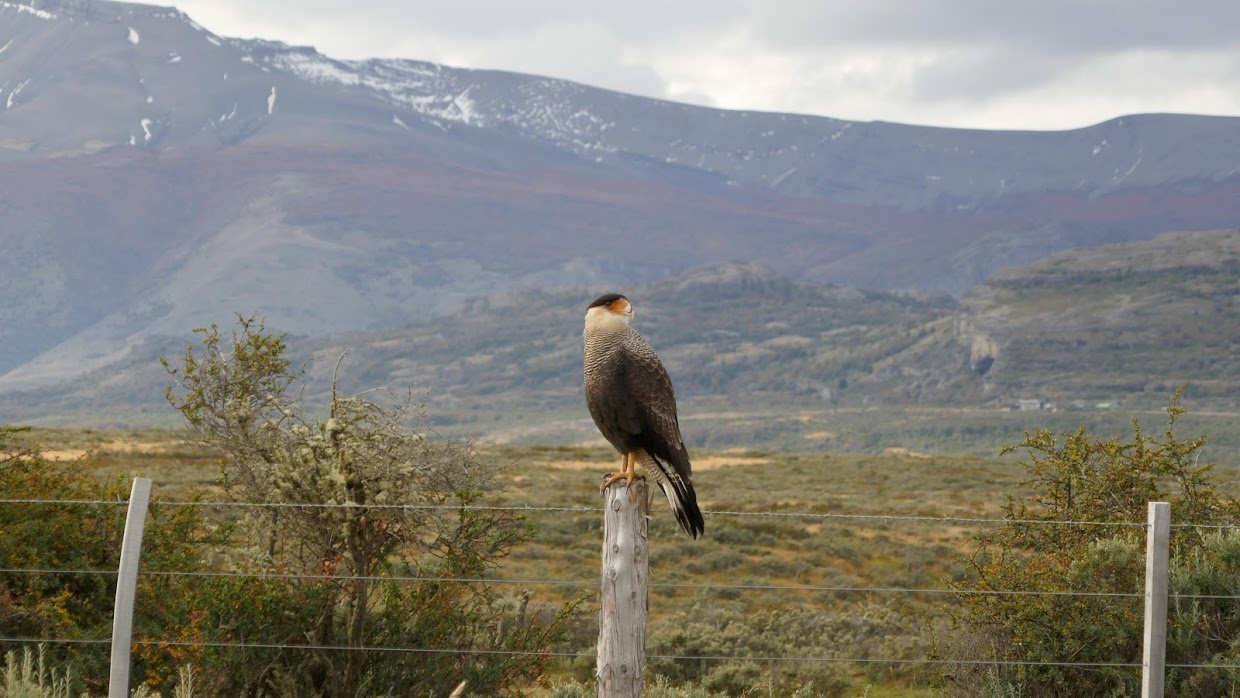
155, 177
151, 77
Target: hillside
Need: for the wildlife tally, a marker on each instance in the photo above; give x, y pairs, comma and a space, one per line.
727, 331
763, 360
156, 176
1120, 320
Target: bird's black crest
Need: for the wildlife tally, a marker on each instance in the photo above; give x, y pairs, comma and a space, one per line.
606, 298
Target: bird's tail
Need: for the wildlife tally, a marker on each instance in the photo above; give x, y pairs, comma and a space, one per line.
680, 495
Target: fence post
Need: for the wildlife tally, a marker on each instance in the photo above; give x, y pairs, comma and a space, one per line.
1154, 652
126, 582
623, 608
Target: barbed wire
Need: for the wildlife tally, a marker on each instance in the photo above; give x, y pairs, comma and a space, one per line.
585, 510
109, 502
571, 655
577, 655
589, 510
592, 582
585, 583
582, 655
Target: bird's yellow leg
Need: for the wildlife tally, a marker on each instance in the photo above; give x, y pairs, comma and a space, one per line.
628, 471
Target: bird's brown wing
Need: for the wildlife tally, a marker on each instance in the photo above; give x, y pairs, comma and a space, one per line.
653, 406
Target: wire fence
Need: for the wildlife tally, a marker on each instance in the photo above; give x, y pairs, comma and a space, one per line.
593, 582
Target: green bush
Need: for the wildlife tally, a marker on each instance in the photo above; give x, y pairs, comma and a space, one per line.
1203, 626
680, 647
1048, 626
47, 604
398, 505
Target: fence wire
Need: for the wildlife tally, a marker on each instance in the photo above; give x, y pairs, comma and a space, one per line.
589, 583
593, 582
587, 655
567, 655
579, 510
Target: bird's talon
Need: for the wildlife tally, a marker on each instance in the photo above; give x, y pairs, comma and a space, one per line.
610, 479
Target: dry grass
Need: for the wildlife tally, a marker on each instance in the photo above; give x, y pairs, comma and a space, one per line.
826, 547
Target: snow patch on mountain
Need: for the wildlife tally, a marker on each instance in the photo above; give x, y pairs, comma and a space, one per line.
12, 99
545, 109
315, 67
560, 113
28, 9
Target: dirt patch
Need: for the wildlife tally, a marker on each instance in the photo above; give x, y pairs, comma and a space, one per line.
818, 435
114, 446
901, 451
63, 454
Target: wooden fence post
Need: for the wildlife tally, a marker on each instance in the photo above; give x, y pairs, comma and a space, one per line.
1157, 566
624, 603
126, 584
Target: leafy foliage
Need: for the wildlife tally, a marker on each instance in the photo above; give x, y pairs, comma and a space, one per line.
62, 529
1038, 557
345, 504
682, 648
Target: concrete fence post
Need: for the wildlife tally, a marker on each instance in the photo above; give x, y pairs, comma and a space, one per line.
1157, 567
126, 584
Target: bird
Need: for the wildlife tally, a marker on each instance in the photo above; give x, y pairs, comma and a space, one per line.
631, 399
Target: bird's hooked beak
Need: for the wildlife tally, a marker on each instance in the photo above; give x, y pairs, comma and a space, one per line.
628, 311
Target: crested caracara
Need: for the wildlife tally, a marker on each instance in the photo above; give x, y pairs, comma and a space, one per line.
631, 400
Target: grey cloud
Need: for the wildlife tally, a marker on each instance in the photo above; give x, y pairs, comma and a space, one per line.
897, 60
1082, 26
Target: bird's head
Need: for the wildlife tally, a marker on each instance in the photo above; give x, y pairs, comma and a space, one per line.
610, 306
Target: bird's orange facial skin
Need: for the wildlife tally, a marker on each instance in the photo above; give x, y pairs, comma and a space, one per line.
621, 306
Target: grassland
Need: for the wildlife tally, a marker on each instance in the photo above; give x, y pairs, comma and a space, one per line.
807, 555
788, 536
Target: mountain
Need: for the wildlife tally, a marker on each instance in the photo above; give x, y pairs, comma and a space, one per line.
750, 350
155, 177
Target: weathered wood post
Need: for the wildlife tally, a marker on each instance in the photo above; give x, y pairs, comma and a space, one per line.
624, 603
1157, 565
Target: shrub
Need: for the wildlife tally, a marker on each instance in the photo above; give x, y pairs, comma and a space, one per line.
345, 504
67, 549
1047, 627
680, 646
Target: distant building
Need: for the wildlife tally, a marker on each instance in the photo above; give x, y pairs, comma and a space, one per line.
1034, 405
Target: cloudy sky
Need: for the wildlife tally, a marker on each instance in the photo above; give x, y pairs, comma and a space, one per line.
1027, 64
